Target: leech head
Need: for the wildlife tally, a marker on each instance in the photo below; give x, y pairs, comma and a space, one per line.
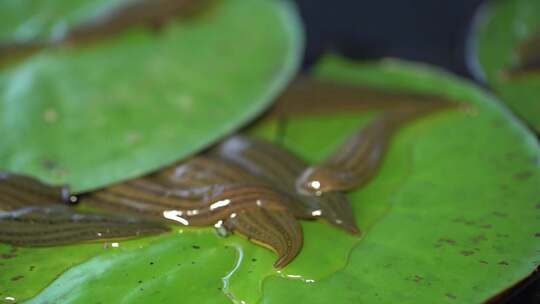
336, 210
347, 226
344, 222
316, 181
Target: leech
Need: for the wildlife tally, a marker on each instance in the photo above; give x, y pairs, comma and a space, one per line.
18, 191
60, 225
191, 185
244, 177
310, 96
281, 168
35, 214
203, 211
258, 212
277, 230
356, 161
249, 186
148, 13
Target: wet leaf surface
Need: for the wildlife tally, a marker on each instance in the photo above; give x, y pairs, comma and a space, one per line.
452, 216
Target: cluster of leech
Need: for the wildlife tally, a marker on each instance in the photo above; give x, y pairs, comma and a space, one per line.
242, 185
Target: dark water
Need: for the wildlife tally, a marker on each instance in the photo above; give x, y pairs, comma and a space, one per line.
422, 30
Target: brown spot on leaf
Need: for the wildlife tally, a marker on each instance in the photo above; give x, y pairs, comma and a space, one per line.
537, 234
417, 278
524, 175
451, 296
510, 156
502, 235
447, 241
499, 214
483, 262
486, 226
16, 278
467, 252
537, 205
462, 220
479, 238
503, 263
49, 164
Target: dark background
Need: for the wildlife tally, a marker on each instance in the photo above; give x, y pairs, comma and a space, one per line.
431, 31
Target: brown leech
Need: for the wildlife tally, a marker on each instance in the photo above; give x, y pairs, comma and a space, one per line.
35, 214
310, 96
356, 161
277, 230
206, 190
262, 201
281, 168
149, 13
244, 185
237, 183
190, 188
18, 191
60, 225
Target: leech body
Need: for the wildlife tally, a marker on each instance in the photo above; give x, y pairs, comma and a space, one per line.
18, 191
311, 96
205, 211
191, 185
194, 186
205, 191
61, 225
356, 161
148, 13
281, 168
275, 229
153, 13
35, 214
243, 185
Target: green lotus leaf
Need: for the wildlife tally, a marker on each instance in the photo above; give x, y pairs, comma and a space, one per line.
452, 216
95, 114
501, 28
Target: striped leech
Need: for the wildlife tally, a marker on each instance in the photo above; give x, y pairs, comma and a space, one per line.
244, 185
145, 13
35, 214
356, 161
234, 186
